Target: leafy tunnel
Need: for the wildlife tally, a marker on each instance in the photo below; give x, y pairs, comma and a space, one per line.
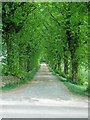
56, 33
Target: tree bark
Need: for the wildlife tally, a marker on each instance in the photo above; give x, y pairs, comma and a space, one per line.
72, 46
59, 66
9, 55
21, 56
66, 59
74, 68
65, 64
28, 57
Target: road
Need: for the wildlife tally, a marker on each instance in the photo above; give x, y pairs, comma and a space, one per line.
43, 97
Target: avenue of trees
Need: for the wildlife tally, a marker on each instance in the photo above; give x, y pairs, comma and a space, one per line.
57, 31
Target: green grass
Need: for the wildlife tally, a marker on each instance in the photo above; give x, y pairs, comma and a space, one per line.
75, 89
29, 76
9, 86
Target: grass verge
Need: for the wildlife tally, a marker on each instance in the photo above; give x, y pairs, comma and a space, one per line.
75, 89
29, 76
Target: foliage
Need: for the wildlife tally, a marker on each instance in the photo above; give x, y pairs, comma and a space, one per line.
77, 89
21, 51
58, 32
28, 77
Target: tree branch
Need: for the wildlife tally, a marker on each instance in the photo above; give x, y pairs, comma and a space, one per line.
54, 18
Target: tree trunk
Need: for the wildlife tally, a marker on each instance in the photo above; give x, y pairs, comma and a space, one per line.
21, 65
72, 46
9, 55
28, 57
74, 68
65, 65
55, 66
59, 66
65, 60
88, 88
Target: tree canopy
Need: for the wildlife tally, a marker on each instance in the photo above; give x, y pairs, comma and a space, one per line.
56, 31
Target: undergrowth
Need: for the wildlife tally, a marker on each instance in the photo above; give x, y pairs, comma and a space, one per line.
79, 89
28, 77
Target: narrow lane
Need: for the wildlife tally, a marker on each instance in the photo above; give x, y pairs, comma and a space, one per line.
44, 96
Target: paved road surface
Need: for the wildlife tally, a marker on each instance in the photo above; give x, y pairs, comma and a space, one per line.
44, 97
